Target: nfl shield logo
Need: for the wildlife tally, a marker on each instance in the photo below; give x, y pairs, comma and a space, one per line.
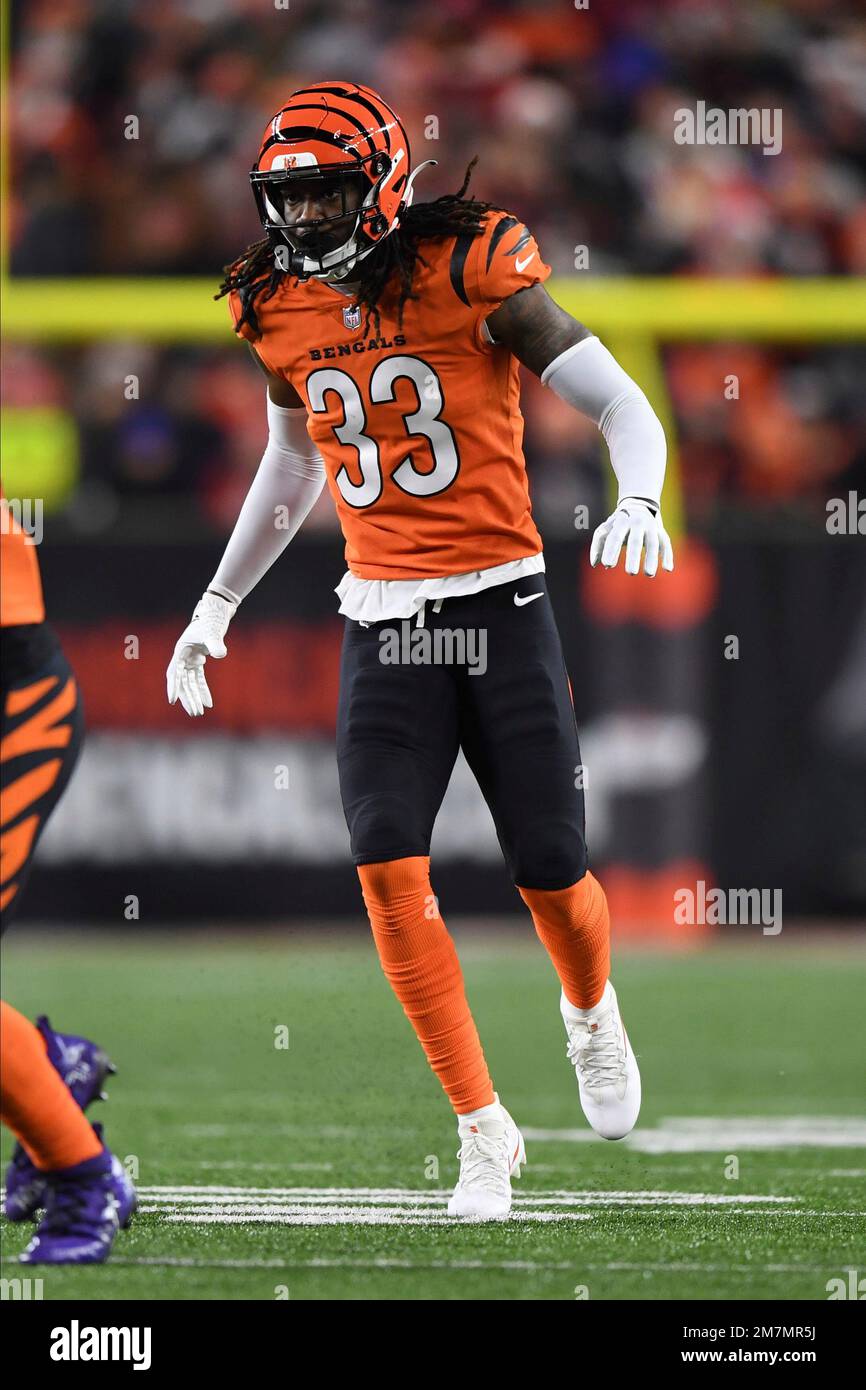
352, 316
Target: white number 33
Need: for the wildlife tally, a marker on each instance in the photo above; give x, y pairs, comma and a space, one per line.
425, 420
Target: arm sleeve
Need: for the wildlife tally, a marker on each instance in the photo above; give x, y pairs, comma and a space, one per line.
288, 482
589, 378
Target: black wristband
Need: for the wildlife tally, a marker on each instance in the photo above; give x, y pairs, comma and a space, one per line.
647, 501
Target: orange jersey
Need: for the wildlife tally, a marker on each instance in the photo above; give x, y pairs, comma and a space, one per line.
419, 426
20, 584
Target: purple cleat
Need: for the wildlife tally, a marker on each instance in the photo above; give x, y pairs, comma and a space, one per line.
83, 1065
85, 1207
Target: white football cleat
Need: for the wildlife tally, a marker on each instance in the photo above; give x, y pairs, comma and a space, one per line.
607, 1072
491, 1153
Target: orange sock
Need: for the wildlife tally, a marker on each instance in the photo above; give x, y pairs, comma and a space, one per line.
420, 962
573, 924
35, 1102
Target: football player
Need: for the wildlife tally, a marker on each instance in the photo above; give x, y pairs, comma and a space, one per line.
390, 335
47, 1079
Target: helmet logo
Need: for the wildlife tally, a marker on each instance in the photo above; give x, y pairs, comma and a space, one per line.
297, 160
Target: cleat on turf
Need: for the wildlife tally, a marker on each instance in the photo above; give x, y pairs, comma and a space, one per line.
85, 1206
83, 1065
491, 1153
25, 1186
607, 1072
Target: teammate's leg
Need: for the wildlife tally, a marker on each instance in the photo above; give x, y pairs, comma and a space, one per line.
60, 1160
396, 745
40, 739
35, 1103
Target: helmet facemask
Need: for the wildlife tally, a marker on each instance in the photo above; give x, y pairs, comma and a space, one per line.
312, 245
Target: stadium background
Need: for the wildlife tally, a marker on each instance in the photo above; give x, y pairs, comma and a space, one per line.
130, 410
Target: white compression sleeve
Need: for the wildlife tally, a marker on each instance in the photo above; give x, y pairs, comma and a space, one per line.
289, 479
588, 377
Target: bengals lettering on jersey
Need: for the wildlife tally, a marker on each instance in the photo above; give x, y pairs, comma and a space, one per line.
419, 427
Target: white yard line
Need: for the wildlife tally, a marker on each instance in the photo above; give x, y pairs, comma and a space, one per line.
213, 1205
310, 1215
690, 1134
219, 1194
576, 1266
242, 1166
711, 1134
524, 1266
349, 1216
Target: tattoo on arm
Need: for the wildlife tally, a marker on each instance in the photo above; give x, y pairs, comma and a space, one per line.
535, 328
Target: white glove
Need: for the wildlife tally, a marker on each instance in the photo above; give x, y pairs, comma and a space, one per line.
201, 639
641, 528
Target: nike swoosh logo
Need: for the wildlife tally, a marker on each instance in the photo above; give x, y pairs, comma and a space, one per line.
521, 265
528, 599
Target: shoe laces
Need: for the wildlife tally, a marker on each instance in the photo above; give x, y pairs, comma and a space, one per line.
484, 1163
597, 1049
69, 1207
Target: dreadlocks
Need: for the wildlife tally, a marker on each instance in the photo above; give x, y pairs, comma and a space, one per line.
256, 274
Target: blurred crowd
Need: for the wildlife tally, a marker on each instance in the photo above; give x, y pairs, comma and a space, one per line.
571, 112
132, 129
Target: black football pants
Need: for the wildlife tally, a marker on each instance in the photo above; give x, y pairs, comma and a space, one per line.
488, 677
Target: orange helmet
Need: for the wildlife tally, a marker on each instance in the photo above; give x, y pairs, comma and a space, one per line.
342, 145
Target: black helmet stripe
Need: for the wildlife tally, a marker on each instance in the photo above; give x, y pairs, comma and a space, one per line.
346, 115
307, 133
303, 132
330, 91
380, 118
352, 96
348, 94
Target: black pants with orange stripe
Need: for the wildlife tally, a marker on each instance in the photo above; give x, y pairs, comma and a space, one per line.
486, 674
40, 738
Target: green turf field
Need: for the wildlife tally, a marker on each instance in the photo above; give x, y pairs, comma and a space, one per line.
310, 1172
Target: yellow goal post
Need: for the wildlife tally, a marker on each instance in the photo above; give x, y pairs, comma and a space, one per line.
632, 315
